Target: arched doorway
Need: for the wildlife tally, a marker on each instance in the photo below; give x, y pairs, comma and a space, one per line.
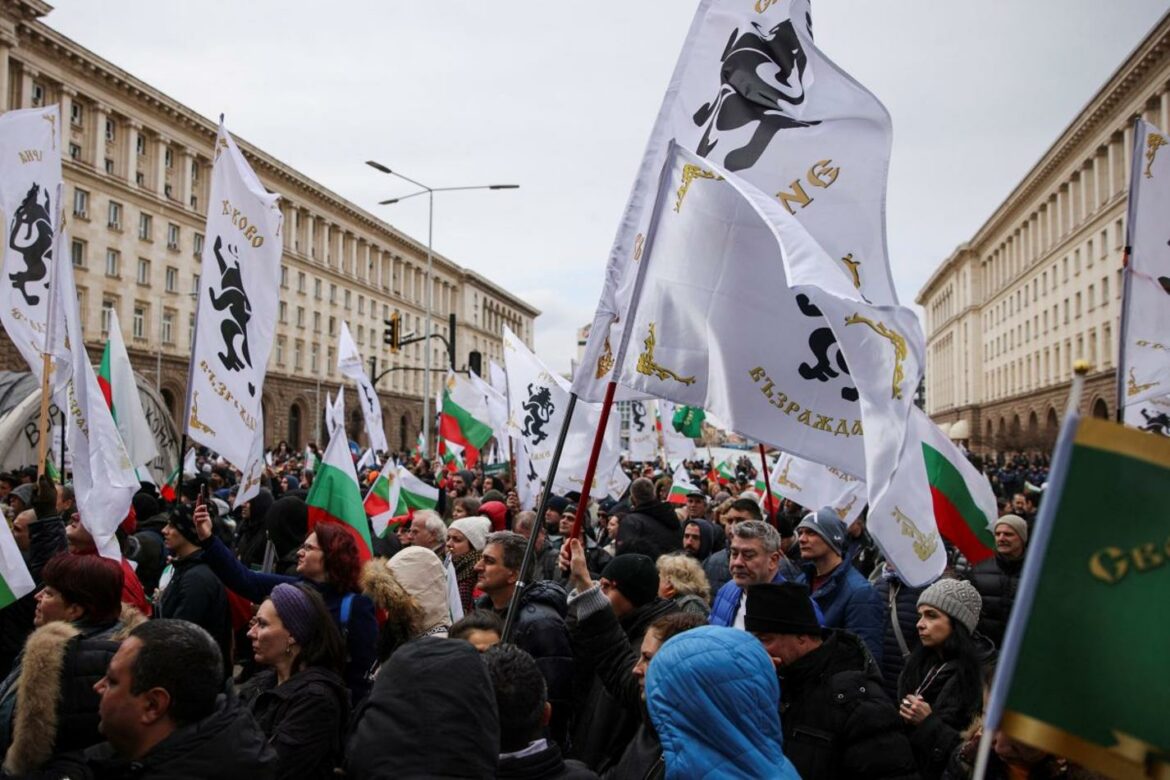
169, 399
403, 433
355, 425
1033, 436
1100, 409
294, 427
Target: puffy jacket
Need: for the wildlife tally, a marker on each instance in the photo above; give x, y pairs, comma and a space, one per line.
726, 601
541, 632
848, 601
304, 719
607, 717
654, 528
431, 714
196, 595
901, 600
838, 722
937, 737
361, 631
997, 580
712, 695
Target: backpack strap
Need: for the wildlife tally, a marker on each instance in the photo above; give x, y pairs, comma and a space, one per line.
894, 588
346, 605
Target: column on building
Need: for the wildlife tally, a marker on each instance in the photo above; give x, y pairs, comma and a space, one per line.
27, 74
133, 131
310, 233
101, 114
186, 180
160, 165
8, 42
68, 97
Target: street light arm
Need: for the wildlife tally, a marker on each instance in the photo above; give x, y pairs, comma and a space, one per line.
392, 201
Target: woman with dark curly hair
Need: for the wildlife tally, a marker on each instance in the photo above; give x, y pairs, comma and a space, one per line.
328, 560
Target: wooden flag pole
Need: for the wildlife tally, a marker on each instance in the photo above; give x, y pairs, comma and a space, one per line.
768, 486
43, 419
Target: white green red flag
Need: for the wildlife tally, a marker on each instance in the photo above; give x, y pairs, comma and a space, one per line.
15, 580
680, 486
397, 492
116, 379
452, 455
465, 419
335, 495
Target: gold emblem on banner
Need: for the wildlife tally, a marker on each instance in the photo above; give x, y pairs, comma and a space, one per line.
647, 366
605, 360
782, 479
1133, 388
924, 544
843, 511
853, 266
689, 174
894, 338
1153, 143
639, 241
195, 422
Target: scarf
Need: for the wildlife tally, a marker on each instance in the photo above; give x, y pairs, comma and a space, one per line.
465, 577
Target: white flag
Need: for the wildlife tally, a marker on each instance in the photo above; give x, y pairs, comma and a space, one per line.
675, 446
335, 412
497, 377
30, 187
349, 362
643, 444
236, 316
752, 94
1144, 371
814, 485
127, 403
367, 460
497, 408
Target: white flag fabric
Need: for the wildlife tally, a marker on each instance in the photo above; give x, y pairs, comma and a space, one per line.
367, 460
128, 414
15, 579
497, 378
30, 187
103, 476
528, 482
497, 407
349, 362
814, 485
335, 412
643, 444
675, 446
752, 94
1144, 372
236, 316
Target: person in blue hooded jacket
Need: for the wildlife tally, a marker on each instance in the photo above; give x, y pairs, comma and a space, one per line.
712, 694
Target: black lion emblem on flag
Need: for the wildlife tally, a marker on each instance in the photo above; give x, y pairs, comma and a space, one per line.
31, 237
539, 410
762, 74
638, 413
1156, 423
820, 341
233, 298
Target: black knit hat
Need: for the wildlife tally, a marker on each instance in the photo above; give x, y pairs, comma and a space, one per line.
635, 576
182, 519
780, 608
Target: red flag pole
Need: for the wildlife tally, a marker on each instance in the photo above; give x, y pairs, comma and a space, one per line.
768, 487
583, 503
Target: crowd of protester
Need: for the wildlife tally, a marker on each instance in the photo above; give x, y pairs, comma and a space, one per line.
711, 638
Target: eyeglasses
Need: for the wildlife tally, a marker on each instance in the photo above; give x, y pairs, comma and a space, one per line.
306, 547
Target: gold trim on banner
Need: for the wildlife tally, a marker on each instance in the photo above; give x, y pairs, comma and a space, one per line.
924, 544
647, 366
843, 511
853, 266
604, 360
689, 174
1153, 143
1123, 440
895, 338
195, 422
1129, 759
783, 480
639, 241
1133, 388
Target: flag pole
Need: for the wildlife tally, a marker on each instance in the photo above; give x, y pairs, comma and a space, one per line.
62, 446
768, 483
46, 355
1126, 271
534, 532
598, 438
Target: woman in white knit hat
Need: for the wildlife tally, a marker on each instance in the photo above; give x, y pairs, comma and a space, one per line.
465, 540
941, 687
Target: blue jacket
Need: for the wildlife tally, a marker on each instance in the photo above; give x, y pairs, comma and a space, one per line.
727, 601
712, 693
849, 602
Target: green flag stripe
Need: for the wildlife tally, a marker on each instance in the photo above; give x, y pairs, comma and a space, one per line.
942, 475
338, 496
6, 595
475, 432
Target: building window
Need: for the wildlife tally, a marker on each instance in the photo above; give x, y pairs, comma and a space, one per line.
77, 253
301, 317
314, 357
361, 305
316, 322
301, 282
80, 204
348, 300
333, 293
145, 227
140, 145
332, 326
138, 323
38, 95
111, 130
113, 263
317, 289
172, 279
197, 243
108, 306
140, 179
115, 215
76, 114
194, 284
298, 363
168, 327
283, 312
284, 277
1104, 290
191, 330
110, 165
169, 158
143, 271
280, 351
74, 151
172, 236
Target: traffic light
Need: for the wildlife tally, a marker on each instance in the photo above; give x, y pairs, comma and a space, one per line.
393, 333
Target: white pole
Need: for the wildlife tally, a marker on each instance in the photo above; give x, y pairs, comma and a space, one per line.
427, 326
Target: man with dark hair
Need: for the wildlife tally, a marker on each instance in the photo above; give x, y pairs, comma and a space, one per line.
837, 720
540, 620
163, 715
652, 526
522, 701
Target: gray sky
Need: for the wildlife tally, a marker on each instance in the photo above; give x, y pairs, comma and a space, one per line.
560, 97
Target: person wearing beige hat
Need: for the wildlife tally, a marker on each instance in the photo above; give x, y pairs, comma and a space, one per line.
997, 578
941, 689
465, 540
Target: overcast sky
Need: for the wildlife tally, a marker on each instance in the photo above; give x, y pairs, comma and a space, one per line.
559, 98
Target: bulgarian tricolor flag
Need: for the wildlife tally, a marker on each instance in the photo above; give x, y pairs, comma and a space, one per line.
452, 455
335, 495
464, 419
680, 485
762, 491
724, 473
15, 581
116, 380
188, 466
396, 493
964, 510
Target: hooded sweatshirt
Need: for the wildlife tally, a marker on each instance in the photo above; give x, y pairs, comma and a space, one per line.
422, 575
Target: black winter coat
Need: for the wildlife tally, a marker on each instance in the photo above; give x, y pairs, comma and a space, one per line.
431, 714
196, 595
906, 608
935, 738
605, 720
997, 580
837, 720
717, 567
654, 529
304, 720
642, 758
548, 764
225, 744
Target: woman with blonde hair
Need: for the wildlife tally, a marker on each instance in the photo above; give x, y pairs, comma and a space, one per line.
681, 578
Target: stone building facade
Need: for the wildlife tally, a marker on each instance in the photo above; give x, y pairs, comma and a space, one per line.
1038, 286
137, 174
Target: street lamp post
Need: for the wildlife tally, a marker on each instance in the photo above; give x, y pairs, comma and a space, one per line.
430, 193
